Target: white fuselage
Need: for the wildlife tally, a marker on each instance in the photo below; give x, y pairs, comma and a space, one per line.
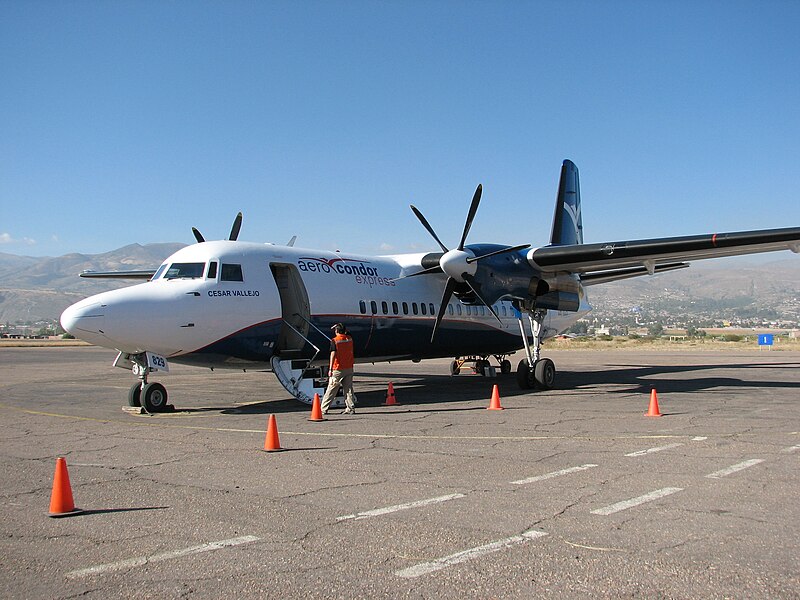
226, 303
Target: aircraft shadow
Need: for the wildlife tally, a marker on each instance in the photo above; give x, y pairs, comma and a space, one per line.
414, 390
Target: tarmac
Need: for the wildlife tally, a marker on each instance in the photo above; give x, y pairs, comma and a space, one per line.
566, 493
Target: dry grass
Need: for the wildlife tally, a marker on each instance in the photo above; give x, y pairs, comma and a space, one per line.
646, 344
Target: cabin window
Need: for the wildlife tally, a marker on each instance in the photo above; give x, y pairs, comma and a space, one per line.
395, 309
362, 306
423, 308
469, 310
503, 308
450, 309
483, 311
212, 270
431, 308
385, 307
185, 270
458, 309
232, 272
414, 308
374, 306
405, 308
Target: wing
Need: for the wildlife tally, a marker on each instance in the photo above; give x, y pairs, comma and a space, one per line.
143, 274
637, 257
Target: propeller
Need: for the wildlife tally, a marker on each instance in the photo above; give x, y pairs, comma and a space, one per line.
237, 226
458, 264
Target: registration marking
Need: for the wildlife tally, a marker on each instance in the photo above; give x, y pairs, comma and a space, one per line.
654, 450
626, 504
536, 478
734, 468
398, 507
143, 560
467, 555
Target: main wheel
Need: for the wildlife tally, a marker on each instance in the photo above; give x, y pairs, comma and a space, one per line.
544, 372
524, 375
505, 366
154, 398
454, 368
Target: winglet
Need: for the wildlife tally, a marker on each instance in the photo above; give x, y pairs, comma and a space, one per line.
567, 224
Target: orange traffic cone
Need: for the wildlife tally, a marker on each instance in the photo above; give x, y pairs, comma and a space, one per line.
61, 502
316, 410
652, 411
272, 443
495, 403
390, 399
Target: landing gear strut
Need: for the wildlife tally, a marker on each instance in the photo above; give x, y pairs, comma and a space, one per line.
150, 396
533, 371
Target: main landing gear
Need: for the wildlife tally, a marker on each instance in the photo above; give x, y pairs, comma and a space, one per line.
150, 396
534, 372
480, 364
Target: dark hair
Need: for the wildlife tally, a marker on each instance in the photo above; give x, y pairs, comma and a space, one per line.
340, 329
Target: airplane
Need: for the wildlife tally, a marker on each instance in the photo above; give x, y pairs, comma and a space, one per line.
243, 305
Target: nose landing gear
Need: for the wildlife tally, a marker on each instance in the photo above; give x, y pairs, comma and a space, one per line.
152, 397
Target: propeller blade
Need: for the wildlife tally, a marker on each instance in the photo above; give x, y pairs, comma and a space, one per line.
473, 208
427, 226
473, 285
496, 252
448, 291
237, 225
198, 236
428, 271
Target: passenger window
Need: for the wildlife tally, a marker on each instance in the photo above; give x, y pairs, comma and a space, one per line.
458, 309
374, 306
362, 306
405, 308
469, 310
432, 309
212, 270
414, 308
385, 307
232, 272
450, 309
185, 270
503, 307
423, 308
395, 308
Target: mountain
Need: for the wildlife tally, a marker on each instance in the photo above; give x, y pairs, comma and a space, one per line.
33, 289
40, 288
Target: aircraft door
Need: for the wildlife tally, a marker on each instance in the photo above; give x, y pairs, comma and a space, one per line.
295, 310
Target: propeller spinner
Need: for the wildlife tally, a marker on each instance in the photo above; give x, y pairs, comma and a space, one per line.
458, 264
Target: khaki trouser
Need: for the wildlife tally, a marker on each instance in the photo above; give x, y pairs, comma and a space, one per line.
337, 379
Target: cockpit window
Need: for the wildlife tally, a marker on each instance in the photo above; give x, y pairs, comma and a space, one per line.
212, 270
185, 271
231, 272
158, 273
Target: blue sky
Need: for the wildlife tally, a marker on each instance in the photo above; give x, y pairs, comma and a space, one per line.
131, 122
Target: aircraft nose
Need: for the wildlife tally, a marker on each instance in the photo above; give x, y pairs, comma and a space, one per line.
85, 320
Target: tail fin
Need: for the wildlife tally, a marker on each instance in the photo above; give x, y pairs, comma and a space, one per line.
567, 225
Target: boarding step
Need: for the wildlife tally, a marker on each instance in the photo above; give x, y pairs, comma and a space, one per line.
300, 380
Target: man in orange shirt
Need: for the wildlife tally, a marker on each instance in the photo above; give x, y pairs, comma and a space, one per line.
340, 373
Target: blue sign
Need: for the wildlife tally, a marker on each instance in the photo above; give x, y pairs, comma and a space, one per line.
765, 339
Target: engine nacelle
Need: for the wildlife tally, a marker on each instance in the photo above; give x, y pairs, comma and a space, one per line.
567, 301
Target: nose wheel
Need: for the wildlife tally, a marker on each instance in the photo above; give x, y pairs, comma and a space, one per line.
150, 396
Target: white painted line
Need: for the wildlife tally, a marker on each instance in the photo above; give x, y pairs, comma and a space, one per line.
466, 555
791, 448
143, 560
553, 474
391, 509
699, 438
734, 468
653, 450
625, 504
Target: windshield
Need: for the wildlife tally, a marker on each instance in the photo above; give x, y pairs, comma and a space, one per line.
185, 271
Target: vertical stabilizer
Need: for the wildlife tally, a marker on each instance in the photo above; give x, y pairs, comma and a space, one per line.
567, 225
